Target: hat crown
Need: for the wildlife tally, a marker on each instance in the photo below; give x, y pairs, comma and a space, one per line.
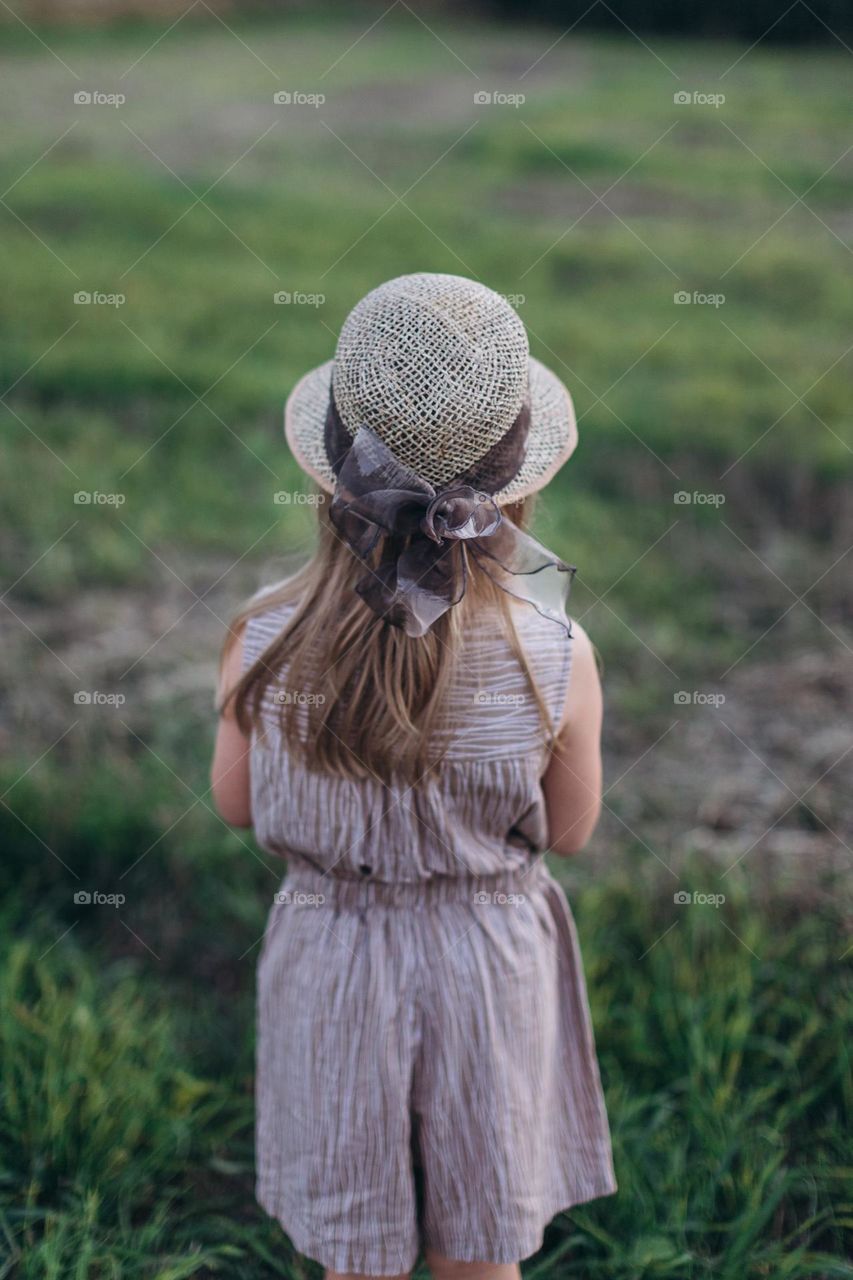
437, 366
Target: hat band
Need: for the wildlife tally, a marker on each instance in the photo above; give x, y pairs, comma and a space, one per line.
497, 467
424, 536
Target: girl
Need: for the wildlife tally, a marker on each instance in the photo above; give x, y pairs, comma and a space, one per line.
422, 723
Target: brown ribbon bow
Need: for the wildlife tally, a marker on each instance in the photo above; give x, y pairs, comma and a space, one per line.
422, 570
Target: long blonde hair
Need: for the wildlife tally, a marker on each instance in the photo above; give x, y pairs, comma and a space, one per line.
361, 697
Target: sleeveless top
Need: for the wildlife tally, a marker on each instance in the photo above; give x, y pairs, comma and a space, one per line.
479, 811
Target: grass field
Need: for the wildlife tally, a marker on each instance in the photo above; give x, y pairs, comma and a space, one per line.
126, 1033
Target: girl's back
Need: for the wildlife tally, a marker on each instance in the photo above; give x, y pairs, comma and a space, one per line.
479, 811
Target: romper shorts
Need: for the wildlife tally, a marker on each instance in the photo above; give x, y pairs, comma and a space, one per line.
427, 1076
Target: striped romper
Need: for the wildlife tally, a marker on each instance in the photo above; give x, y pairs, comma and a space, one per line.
426, 1073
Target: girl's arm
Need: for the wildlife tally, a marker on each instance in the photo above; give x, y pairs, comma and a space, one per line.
229, 773
572, 782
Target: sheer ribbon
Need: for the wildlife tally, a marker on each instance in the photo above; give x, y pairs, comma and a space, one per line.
429, 533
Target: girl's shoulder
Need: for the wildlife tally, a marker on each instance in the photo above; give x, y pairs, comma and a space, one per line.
497, 666
547, 641
268, 615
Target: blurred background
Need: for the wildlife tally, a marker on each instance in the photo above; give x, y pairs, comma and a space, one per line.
193, 198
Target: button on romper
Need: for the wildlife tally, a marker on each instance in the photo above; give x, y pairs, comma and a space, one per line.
421, 1000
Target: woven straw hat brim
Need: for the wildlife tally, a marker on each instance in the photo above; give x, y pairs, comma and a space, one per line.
551, 440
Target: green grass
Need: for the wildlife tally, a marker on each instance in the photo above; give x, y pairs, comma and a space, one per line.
126, 1072
126, 1036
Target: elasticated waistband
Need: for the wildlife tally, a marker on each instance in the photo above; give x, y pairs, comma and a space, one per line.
315, 888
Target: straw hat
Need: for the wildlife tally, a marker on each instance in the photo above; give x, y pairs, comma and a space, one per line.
439, 368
